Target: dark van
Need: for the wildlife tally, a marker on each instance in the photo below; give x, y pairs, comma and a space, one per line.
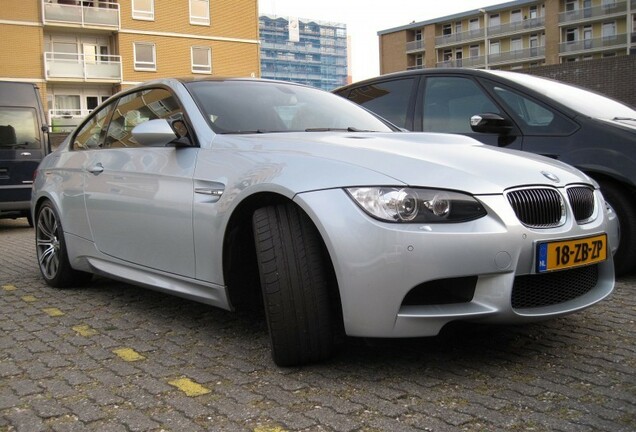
23, 144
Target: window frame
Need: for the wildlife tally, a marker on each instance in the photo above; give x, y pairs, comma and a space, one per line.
199, 20
198, 68
143, 15
139, 65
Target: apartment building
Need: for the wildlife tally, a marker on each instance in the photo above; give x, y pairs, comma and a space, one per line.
81, 52
306, 51
514, 35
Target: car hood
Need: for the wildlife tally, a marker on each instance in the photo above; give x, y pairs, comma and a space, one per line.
415, 159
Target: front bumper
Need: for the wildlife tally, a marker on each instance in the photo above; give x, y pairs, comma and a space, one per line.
377, 264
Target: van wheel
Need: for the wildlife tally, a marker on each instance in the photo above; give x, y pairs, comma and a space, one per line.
625, 209
51, 250
294, 283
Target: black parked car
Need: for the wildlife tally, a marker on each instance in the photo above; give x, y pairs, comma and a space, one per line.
513, 110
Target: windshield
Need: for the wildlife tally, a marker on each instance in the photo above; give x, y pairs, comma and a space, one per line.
263, 107
585, 102
18, 129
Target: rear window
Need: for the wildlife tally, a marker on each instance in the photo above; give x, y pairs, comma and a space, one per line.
19, 129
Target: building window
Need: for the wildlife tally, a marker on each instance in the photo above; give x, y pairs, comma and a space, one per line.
143, 9
494, 47
571, 35
516, 44
145, 56
609, 54
200, 12
418, 35
533, 12
473, 24
495, 20
515, 16
571, 5
201, 60
458, 27
609, 30
473, 51
419, 61
447, 29
447, 55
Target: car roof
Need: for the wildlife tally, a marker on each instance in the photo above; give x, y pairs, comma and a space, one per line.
431, 71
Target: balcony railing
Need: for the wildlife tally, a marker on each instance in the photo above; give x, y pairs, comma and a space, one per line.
415, 46
465, 62
415, 67
517, 55
593, 44
517, 27
459, 37
92, 14
83, 67
65, 120
593, 12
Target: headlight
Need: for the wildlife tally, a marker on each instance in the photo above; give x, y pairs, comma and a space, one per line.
416, 205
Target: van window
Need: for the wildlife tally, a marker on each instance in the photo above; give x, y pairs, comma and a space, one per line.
19, 129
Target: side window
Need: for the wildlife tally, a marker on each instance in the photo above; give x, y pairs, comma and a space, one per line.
18, 129
531, 116
388, 99
91, 135
136, 108
450, 102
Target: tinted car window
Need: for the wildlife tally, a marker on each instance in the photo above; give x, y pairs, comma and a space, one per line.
18, 129
533, 117
450, 102
388, 99
91, 135
136, 108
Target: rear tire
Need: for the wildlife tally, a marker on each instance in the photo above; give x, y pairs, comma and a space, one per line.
625, 208
293, 274
51, 251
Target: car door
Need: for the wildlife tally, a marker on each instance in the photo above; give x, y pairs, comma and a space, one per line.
446, 104
139, 198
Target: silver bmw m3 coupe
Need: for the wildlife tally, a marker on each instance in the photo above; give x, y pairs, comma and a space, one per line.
236, 191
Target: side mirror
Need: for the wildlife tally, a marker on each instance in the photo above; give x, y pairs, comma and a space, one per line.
154, 133
490, 123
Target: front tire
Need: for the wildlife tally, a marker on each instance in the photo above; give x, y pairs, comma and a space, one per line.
625, 209
51, 250
294, 280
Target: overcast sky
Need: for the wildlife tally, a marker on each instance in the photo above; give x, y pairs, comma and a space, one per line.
364, 18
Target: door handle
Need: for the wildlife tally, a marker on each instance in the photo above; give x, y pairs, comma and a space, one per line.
96, 169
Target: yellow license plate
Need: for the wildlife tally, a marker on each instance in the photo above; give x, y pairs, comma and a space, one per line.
559, 255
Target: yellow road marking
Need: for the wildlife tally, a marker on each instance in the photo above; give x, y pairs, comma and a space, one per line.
29, 298
189, 387
85, 330
53, 312
9, 287
128, 354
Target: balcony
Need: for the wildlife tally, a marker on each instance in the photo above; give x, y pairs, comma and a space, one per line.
415, 46
526, 25
415, 67
65, 120
81, 67
517, 55
478, 61
591, 13
84, 14
461, 37
593, 44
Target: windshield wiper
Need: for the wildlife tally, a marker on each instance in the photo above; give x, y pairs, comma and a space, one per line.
624, 119
349, 129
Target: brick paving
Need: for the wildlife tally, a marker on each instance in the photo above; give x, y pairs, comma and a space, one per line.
114, 357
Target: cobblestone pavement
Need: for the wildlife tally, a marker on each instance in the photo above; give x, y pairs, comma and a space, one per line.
114, 357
